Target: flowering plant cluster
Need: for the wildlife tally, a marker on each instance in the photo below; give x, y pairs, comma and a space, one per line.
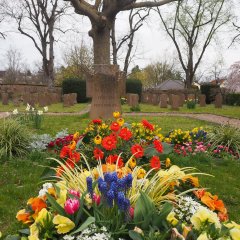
114, 142
31, 114
104, 204
191, 103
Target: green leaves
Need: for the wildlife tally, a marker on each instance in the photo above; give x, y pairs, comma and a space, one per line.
88, 222
57, 207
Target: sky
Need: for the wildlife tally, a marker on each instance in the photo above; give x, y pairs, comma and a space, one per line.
151, 42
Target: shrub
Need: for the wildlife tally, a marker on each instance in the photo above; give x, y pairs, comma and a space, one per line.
134, 86
226, 137
210, 91
75, 85
135, 109
233, 99
14, 139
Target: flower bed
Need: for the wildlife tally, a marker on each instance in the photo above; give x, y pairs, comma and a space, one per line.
115, 181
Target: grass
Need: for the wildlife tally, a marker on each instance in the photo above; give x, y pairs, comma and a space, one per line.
56, 108
228, 111
225, 184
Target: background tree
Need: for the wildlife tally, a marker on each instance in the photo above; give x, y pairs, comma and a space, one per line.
102, 14
237, 37
78, 63
37, 20
233, 80
2, 17
13, 60
192, 28
135, 21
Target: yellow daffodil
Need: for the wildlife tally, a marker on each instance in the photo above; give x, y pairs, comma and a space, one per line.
98, 139
172, 219
168, 162
63, 224
132, 163
120, 121
141, 173
116, 114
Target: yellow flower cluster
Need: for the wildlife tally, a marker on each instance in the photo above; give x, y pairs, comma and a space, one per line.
178, 136
140, 132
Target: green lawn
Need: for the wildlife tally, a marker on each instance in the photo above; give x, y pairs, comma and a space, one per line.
19, 178
229, 111
58, 108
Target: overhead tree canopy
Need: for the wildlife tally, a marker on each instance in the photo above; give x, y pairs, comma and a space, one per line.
102, 14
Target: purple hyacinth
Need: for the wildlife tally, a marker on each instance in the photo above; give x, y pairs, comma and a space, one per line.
90, 186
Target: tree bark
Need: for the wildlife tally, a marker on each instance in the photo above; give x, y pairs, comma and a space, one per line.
101, 44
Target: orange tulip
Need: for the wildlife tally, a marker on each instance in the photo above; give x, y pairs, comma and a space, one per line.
23, 216
37, 204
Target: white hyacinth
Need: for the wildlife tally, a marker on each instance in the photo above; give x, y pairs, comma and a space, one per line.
15, 111
40, 112
45, 108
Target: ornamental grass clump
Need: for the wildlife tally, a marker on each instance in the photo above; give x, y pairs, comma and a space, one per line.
14, 139
227, 137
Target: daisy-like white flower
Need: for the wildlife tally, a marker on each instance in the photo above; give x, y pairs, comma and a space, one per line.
15, 112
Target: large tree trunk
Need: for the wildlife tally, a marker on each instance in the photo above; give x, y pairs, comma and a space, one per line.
101, 44
105, 85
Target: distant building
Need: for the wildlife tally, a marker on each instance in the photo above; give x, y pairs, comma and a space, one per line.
170, 85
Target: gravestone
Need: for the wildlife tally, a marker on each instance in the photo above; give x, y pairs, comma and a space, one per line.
105, 91
181, 99
43, 100
202, 100
133, 99
175, 102
4, 98
155, 99
68, 100
144, 98
73, 98
218, 101
163, 101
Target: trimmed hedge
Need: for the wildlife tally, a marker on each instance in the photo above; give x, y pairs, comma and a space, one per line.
134, 86
233, 99
75, 85
210, 91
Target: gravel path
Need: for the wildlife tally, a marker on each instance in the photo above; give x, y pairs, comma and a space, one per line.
201, 116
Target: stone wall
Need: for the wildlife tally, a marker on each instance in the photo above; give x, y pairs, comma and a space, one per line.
24, 89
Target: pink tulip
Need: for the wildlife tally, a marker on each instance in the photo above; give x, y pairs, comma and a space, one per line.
74, 192
71, 205
96, 199
131, 212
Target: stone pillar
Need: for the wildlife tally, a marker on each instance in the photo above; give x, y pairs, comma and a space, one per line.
105, 91
202, 100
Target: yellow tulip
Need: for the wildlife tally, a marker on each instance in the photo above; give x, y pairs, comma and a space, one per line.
141, 173
203, 236
75, 136
132, 163
63, 224
167, 162
43, 217
120, 121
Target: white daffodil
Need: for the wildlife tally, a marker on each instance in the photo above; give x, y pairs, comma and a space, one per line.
15, 111
40, 112
28, 107
45, 108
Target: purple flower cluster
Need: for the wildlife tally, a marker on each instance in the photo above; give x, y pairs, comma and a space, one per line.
114, 189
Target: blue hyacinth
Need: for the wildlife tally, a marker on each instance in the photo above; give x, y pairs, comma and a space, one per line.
120, 200
110, 197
